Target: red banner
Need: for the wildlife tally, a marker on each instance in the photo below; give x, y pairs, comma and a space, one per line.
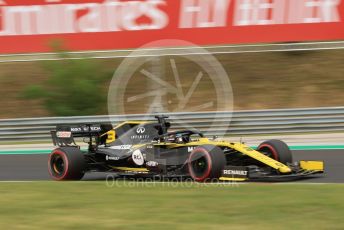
33, 25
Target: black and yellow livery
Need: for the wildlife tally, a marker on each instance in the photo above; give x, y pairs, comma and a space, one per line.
149, 149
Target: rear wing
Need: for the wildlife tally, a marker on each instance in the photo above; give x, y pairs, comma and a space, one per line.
64, 134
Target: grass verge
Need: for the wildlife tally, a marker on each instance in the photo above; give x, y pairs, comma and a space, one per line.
90, 205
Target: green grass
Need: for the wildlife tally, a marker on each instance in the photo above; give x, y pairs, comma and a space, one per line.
93, 205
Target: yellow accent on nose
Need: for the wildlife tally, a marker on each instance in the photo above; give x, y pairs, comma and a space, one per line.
284, 169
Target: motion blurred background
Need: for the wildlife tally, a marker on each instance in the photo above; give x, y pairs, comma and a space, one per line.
259, 80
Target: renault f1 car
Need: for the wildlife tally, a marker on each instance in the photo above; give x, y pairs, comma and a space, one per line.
141, 148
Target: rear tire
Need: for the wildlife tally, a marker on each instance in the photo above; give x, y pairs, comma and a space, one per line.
277, 150
66, 163
206, 162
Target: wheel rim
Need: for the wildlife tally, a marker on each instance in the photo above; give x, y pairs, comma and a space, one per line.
57, 164
199, 166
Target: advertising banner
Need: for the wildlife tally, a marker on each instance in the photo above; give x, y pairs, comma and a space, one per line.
31, 26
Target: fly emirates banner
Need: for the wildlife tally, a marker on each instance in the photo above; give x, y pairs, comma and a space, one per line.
32, 25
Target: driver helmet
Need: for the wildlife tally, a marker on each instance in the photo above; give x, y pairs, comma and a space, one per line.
179, 140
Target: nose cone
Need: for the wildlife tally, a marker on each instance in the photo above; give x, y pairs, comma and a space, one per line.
284, 169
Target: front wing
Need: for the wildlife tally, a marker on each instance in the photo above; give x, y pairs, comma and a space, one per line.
300, 170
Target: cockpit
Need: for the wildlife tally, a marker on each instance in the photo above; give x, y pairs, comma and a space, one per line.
135, 132
180, 137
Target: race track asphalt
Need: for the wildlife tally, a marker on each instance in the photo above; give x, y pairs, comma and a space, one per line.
34, 167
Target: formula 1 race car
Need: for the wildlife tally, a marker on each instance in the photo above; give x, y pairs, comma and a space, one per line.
149, 149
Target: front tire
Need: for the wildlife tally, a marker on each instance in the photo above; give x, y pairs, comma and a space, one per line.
66, 163
277, 150
206, 163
